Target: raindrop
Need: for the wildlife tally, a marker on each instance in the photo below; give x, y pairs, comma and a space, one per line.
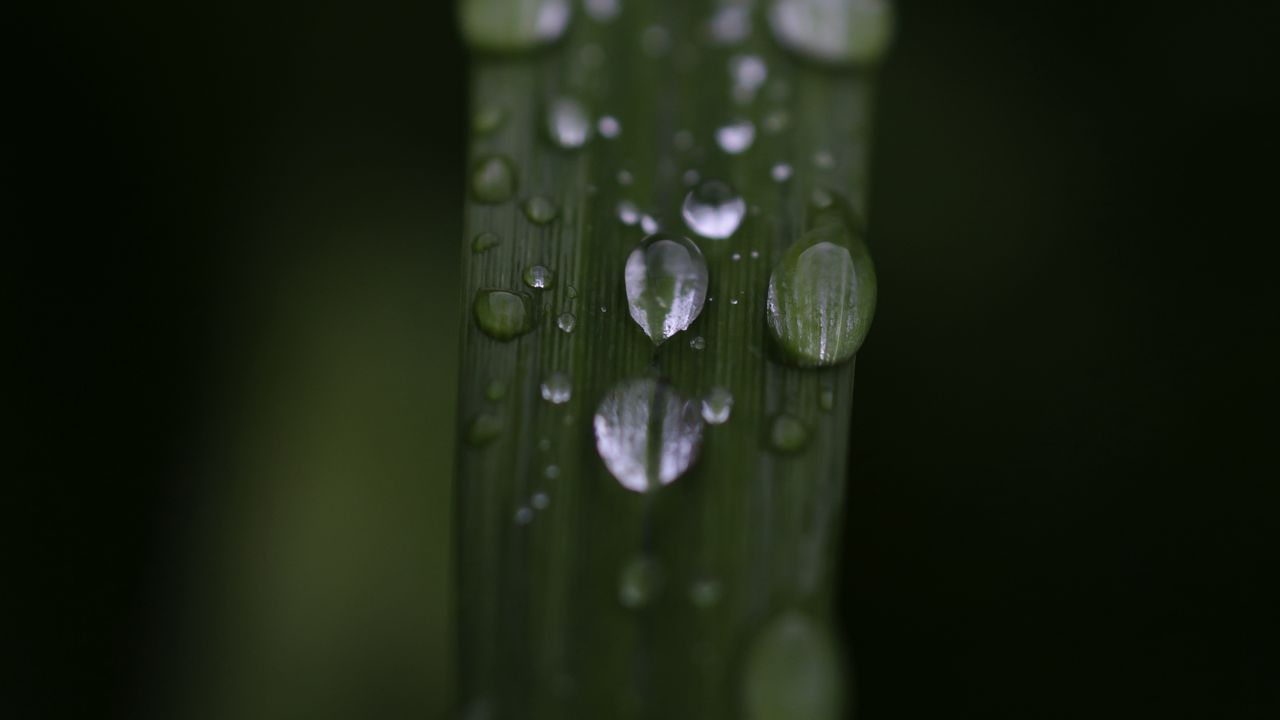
540, 501
749, 73
539, 277
566, 322
780, 172
496, 390
488, 120
551, 472
524, 516
639, 582
755, 254
609, 126
492, 25
705, 593
628, 213
484, 241
656, 41
539, 210
493, 180
717, 405
603, 10
557, 388
736, 137
502, 315
713, 210
568, 123
698, 343
648, 224
837, 32
792, 671
483, 429
666, 281
733, 301
787, 434
646, 434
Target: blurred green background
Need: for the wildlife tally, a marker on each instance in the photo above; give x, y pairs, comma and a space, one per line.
242, 266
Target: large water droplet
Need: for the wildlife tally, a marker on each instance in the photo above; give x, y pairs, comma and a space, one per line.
646, 434
717, 405
539, 210
787, 434
837, 32
666, 281
736, 137
502, 315
557, 388
493, 180
539, 277
484, 241
713, 209
792, 671
568, 124
639, 582
822, 295
504, 25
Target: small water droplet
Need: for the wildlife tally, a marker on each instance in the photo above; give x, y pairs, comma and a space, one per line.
483, 429
656, 41
551, 472
733, 301
568, 123
524, 516
628, 213
748, 73
705, 593
648, 224
793, 670
698, 343
566, 322
493, 180
736, 137
496, 390
776, 121
646, 434
827, 398
609, 127
690, 177
824, 160
488, 120
730, 25
539, 210
539, 277
604, 309
835, 32
735, 257
570, 291
639, 582
544, 444
713, 209
780, 172
557, 388
540, 500
666, 282
755, 254
492, 24
502, 315
787, 434
603, 10
484, 241
717, 406
624, 178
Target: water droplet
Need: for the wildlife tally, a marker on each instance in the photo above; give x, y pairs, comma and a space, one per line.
488, 120
822, 296
792, 671
484, 241
646, 434
713, 210
609, 126
666, 281
502, 315
736, 137
571, 291
524, 516
731, 24
557, 388
496, 390
483, 429
698, 343
648, 224
540, 501
717, 405
735, 257
787, 434
776, 121
780, 172
539, 210
603, 10
691, 177
544, 444
493, 180
566, 322
748, 73
551, 472
568, 124
755, 254
837, 32
539, 277
705, 593
827, 398
628, 213
656, 41
733, 301
824, 160
639, 582
493, 25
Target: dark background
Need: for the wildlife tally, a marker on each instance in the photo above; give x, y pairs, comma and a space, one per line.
235, 286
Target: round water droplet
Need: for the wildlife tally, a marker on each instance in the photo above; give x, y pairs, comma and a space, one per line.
483, 429
609, 127
731, 24
827, 398
568, 123
557, 388
493, 180
824, 160
780, 172
776, 121
748, 73
787, 434
540, 500
713, 210
736, 137
496, 390
566, 322
717, 405
836, 32
624, 178
656, 41
691, 177
646, 434
502, 315
603, 10
539, 210
649, 224
488, 120
666, 281
484, 241
792, 671
571, 291
551, 472
501, 26
705, 593
639, 582
523, 516
698, 343
539, 277
628, 213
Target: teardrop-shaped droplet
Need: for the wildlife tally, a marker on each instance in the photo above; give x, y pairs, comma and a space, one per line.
483, 429
513, 25
539, 277
484, 241
539, 210
713, 209
503, 315
568, 123
666, 281
792, 671
717, 405
822, 294
639, 582
736, 137
557, 388
493, 180
646, 434
787, 434
837, 32
566, 322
